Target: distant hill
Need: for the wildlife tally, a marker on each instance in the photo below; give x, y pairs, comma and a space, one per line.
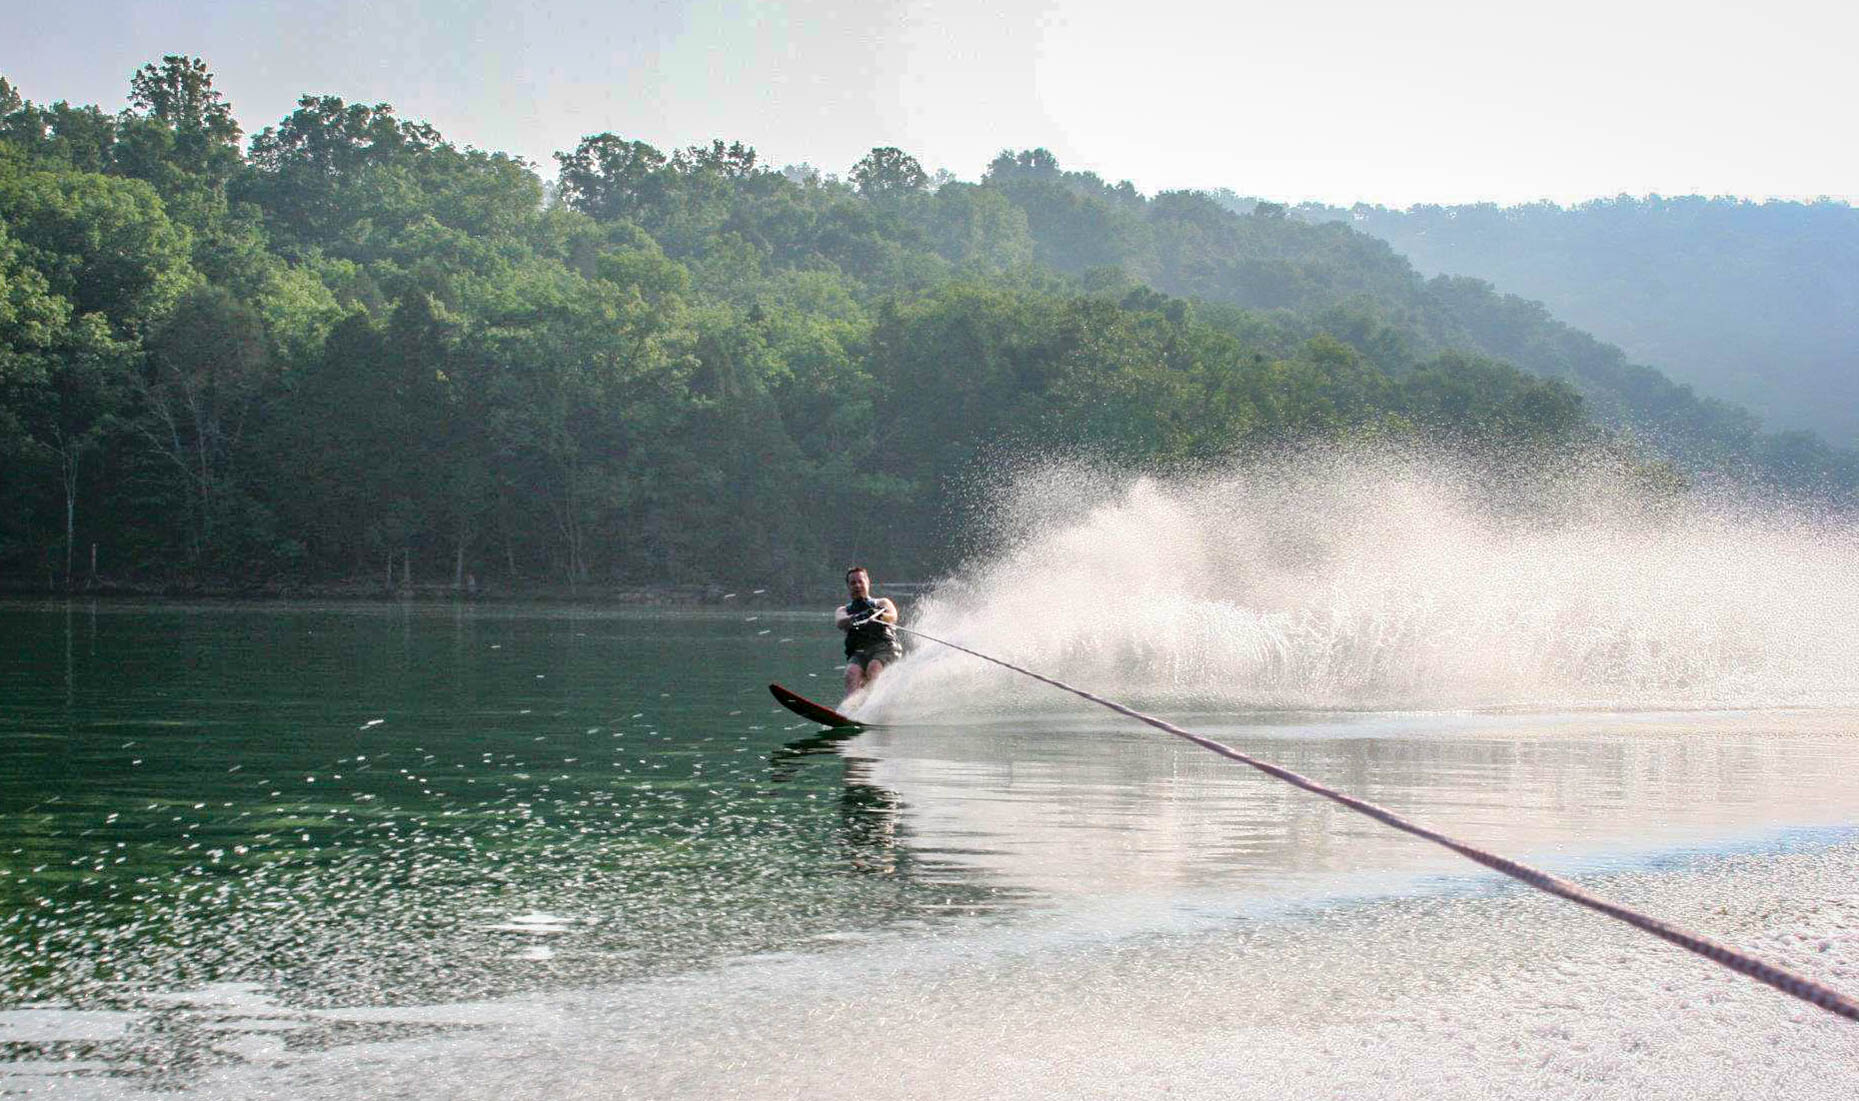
1308, 270
1755, 303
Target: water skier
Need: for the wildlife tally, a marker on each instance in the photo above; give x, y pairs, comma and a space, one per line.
871, 643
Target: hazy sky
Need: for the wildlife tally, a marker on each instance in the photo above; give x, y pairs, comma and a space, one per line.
1337, 100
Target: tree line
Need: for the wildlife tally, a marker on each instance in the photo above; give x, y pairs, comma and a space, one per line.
350, 348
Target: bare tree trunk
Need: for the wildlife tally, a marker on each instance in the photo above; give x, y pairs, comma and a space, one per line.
571, 530
567, 524
70, 528
69, 452
205, 474
172, 449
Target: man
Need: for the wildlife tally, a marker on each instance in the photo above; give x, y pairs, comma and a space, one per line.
871, 643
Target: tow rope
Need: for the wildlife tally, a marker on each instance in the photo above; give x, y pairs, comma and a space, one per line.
1781, 978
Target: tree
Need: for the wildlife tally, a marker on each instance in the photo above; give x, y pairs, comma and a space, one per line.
1027, 164
888, 171
205, 370
32, 318
978, 228
181, 137
331, 164
82, 138
585, 383
1482, 402
60, 380
609, 177
104, 244
180, 92
734, 161
326, 135
83, 397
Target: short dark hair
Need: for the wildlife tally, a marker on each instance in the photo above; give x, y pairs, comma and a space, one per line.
850, 570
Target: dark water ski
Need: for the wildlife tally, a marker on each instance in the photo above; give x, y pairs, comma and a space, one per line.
807, 709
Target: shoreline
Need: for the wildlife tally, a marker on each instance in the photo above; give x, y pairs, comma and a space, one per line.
375, 592
708, 594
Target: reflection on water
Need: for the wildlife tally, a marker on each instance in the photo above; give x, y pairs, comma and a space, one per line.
1098, 806
869, 815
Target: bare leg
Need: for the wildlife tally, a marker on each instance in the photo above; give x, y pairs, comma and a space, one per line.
855, 678
871, 672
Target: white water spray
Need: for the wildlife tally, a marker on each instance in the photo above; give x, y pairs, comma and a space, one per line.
1375, 580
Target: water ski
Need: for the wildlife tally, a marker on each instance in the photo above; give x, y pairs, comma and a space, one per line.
807, 709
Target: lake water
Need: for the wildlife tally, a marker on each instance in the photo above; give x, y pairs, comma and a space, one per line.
330, 850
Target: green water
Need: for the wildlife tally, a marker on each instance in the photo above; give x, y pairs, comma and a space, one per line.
388, 804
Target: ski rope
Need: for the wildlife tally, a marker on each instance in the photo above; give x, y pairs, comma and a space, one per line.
1735, 959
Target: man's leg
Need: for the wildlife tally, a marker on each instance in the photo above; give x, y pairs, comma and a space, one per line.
872, 669
855, 676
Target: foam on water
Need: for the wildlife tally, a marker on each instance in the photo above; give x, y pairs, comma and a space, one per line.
1366, 579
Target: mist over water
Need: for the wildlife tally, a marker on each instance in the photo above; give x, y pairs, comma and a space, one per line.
1375, 579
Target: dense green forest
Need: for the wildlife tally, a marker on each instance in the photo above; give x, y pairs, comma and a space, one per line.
1757, 303
351, 349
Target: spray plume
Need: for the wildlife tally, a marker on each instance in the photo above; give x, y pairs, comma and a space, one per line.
1365, 578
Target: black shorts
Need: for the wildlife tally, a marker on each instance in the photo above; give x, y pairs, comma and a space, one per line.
864, 658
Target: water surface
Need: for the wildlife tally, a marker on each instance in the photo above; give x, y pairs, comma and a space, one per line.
231, 833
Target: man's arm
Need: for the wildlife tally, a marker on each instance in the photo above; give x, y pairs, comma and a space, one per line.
889, 612
840, 619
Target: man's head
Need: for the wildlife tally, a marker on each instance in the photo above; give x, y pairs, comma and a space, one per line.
858, 582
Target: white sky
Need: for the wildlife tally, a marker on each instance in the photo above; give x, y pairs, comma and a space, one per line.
1334, 100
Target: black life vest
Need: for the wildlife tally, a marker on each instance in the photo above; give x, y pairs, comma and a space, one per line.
874, 635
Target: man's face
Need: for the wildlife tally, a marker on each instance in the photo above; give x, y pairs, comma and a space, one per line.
858, 584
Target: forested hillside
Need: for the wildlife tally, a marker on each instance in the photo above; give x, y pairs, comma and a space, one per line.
1757, 303
351, 348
